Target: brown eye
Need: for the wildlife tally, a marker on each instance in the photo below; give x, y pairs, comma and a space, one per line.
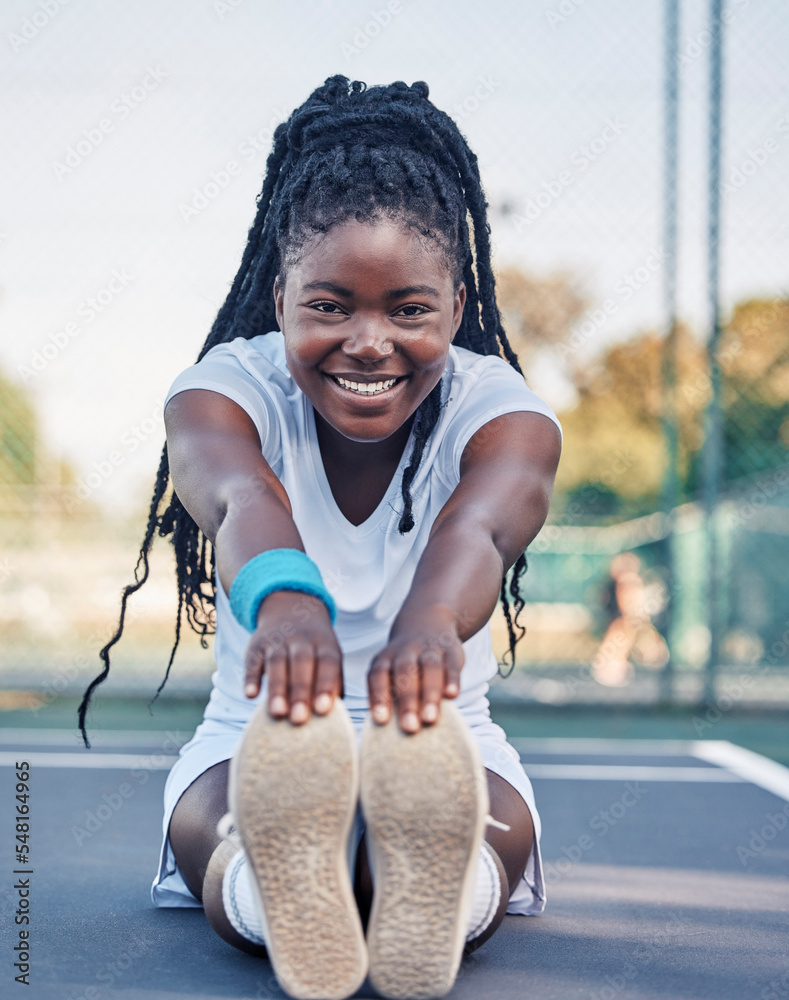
328, 308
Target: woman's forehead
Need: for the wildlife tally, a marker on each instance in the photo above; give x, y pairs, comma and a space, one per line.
382, 245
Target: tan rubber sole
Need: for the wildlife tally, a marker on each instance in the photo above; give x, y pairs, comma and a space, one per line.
293, 793
425, 802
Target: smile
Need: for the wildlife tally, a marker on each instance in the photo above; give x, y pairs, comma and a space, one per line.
366, 388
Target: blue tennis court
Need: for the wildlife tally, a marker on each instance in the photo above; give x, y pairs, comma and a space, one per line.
667, 866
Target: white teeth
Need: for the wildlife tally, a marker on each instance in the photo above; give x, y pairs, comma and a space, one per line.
366, 388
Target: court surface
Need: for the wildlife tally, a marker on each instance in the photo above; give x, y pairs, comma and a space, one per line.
667, 866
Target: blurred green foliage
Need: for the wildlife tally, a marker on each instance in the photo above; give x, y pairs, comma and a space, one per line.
614, 455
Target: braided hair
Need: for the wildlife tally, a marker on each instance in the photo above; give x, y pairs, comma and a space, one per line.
349, 152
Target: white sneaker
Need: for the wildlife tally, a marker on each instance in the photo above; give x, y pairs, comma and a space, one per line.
292, 794
425, 803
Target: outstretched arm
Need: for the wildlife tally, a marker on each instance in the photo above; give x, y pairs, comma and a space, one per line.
232, 493
497, 509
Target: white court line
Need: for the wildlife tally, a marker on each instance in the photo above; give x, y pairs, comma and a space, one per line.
624, 772
572, 772
607, 747
613, 747
144, 738
750, 766
141, 738
734, 764
117, 761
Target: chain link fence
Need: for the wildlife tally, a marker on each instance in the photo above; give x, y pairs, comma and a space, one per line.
687, 597
636, 168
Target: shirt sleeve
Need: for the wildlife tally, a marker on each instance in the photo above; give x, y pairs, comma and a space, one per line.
223, 372
490, 389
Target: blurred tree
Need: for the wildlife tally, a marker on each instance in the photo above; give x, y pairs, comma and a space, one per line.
613, 435
18, 434
754, 362
538, 313
754, 365
614, 453
25, 460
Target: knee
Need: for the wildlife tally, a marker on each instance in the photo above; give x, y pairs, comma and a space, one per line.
512, 846
192, 830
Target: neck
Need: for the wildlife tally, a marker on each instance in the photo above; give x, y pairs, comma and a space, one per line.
361, 454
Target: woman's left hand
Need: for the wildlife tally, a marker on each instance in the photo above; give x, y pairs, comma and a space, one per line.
418, 667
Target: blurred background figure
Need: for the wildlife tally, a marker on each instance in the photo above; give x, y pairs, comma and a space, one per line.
631, 605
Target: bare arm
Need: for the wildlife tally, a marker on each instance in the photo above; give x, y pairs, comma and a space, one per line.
506, 480
230, 490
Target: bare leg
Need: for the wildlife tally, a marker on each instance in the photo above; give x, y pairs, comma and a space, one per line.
510, 849
200, 853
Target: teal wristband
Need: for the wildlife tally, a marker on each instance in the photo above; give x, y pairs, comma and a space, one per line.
277, 569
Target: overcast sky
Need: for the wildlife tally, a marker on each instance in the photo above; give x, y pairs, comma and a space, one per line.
136, 134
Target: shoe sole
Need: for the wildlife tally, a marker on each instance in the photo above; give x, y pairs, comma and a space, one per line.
293, 793
425, 802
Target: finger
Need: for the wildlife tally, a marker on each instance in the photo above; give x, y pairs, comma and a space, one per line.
406, 675
277, 670
254, 668
379, 685
433, 674
328, 679
301, 673
454, 658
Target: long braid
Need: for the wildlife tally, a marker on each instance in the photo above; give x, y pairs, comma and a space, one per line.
424, 422
160, 489
347, 152
518, 570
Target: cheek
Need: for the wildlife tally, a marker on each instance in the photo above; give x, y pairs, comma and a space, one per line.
295, 357
302, 347
431, 354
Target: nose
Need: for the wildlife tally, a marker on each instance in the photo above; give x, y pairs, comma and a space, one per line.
368, 340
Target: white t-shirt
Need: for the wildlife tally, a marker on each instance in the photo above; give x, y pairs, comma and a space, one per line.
367, 568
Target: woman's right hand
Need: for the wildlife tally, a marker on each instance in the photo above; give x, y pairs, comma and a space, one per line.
295, 645
232, 493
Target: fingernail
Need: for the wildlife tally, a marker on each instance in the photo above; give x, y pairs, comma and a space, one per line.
410, 721
430, 712
380, 713
250, 690
278, 705
323, 703
452, 690
299, 712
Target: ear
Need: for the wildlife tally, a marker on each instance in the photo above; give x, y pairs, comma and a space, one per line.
279, 295
457, 315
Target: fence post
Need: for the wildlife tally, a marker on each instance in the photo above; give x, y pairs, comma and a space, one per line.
669, 361
713, 438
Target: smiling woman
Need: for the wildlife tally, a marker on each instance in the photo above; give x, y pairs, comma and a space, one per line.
365, 468
370, 310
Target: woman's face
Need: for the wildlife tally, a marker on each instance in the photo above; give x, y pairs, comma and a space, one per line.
368, 314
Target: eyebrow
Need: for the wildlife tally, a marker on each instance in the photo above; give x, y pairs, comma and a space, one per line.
401, 293
327, 286
395, 293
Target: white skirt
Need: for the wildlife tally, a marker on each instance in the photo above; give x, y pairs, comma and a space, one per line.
215, 741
